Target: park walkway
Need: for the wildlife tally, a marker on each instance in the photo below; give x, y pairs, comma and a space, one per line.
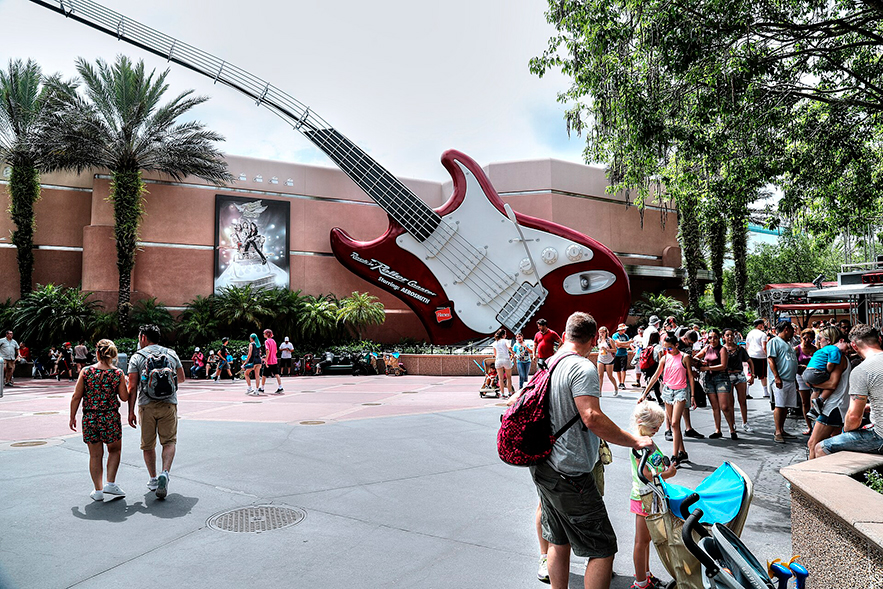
400, 486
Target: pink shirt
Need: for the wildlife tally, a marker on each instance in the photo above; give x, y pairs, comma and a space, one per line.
270, 346
675, 373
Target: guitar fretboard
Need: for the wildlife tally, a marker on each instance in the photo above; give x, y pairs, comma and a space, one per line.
394, 197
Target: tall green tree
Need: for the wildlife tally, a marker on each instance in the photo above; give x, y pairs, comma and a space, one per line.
120, 124
23, 98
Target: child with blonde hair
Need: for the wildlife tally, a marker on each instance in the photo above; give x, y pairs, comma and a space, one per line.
646, 420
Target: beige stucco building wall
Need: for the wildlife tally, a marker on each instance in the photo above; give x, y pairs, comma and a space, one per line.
175, 264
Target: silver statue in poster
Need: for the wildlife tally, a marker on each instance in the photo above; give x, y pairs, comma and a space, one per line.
245, 260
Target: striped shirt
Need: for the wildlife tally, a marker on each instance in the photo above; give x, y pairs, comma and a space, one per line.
867, 381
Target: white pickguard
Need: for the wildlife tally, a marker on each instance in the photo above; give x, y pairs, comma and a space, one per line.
477, 222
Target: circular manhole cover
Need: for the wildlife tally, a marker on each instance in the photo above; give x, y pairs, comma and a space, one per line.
28, 444
312, 422
256, 519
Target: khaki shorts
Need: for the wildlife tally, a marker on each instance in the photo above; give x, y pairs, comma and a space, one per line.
158, 418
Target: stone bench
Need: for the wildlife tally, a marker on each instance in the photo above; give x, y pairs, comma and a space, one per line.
837, 521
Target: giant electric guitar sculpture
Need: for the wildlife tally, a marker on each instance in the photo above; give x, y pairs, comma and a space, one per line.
466, 268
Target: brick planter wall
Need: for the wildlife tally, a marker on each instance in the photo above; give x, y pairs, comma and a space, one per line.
836, 521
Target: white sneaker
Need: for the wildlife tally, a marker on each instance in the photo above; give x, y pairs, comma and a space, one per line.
114, 489
543, 571
746, 427
97, 495
152, 484
162, 485
616, 393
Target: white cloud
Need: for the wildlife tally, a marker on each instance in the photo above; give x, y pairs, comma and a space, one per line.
405, 80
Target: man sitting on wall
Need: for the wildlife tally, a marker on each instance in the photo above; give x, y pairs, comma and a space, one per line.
865, 386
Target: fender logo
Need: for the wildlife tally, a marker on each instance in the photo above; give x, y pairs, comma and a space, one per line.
443, 314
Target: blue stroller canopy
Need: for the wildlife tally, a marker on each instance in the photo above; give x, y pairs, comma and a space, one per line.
720, 495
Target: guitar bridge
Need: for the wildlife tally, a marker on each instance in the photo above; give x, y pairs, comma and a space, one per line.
522, 306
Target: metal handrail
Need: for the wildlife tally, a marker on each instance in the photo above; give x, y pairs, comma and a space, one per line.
99, 17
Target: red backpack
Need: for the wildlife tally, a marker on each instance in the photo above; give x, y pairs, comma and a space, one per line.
525, 437
647, 362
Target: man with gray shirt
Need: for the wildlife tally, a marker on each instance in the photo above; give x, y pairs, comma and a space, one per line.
9, 354
158, 417
865, 386
573, 512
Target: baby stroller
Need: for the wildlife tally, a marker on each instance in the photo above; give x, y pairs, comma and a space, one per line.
393, 366
491, 385
722, 499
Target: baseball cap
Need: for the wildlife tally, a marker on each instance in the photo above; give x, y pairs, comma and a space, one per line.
196, 349
286, 338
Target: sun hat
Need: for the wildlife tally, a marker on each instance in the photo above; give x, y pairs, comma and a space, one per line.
622, 326
196, 349
654, 320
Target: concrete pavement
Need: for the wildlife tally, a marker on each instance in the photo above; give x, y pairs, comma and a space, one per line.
401, 487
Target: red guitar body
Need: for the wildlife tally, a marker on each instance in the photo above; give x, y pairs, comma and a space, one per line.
385, 263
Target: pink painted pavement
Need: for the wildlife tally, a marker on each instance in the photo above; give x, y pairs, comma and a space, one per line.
40, 409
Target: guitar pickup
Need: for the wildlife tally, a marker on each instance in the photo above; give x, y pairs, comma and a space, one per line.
523, 305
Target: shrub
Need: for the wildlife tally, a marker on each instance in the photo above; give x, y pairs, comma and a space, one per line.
874, 480
152, 312
51, 314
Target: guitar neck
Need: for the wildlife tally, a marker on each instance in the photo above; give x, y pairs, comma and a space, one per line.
386, 190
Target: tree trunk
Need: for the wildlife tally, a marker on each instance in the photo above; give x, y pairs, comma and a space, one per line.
24, 191
739, 241
126, 193
717, 245
689, 236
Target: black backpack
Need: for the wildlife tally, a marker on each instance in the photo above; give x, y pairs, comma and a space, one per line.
159, 379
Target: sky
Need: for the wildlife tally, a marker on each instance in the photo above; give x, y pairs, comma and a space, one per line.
404, 79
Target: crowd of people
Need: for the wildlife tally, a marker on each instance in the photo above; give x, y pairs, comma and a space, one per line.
830, 376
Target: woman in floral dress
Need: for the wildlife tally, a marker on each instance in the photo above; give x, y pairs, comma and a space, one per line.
101, 387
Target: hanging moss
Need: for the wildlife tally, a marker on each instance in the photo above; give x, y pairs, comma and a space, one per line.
127, 195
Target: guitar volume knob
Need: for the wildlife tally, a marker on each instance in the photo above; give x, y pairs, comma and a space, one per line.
550, 255
574, 252
525, 266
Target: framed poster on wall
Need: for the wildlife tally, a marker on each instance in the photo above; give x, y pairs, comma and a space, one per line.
251, 242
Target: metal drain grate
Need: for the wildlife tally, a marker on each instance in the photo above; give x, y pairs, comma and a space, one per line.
256, 519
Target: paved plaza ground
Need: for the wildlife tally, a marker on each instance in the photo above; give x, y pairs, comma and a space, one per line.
400, 486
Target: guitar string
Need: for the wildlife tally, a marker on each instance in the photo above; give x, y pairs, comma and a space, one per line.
487, 279
335, 153
417, 217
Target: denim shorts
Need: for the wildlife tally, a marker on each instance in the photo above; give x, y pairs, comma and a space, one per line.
738, 378
573, 512
672, 396
718, 382
860, 440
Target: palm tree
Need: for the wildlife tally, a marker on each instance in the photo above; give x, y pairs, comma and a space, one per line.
241, 307
22, 101
121, 126
359, 310
318, 322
